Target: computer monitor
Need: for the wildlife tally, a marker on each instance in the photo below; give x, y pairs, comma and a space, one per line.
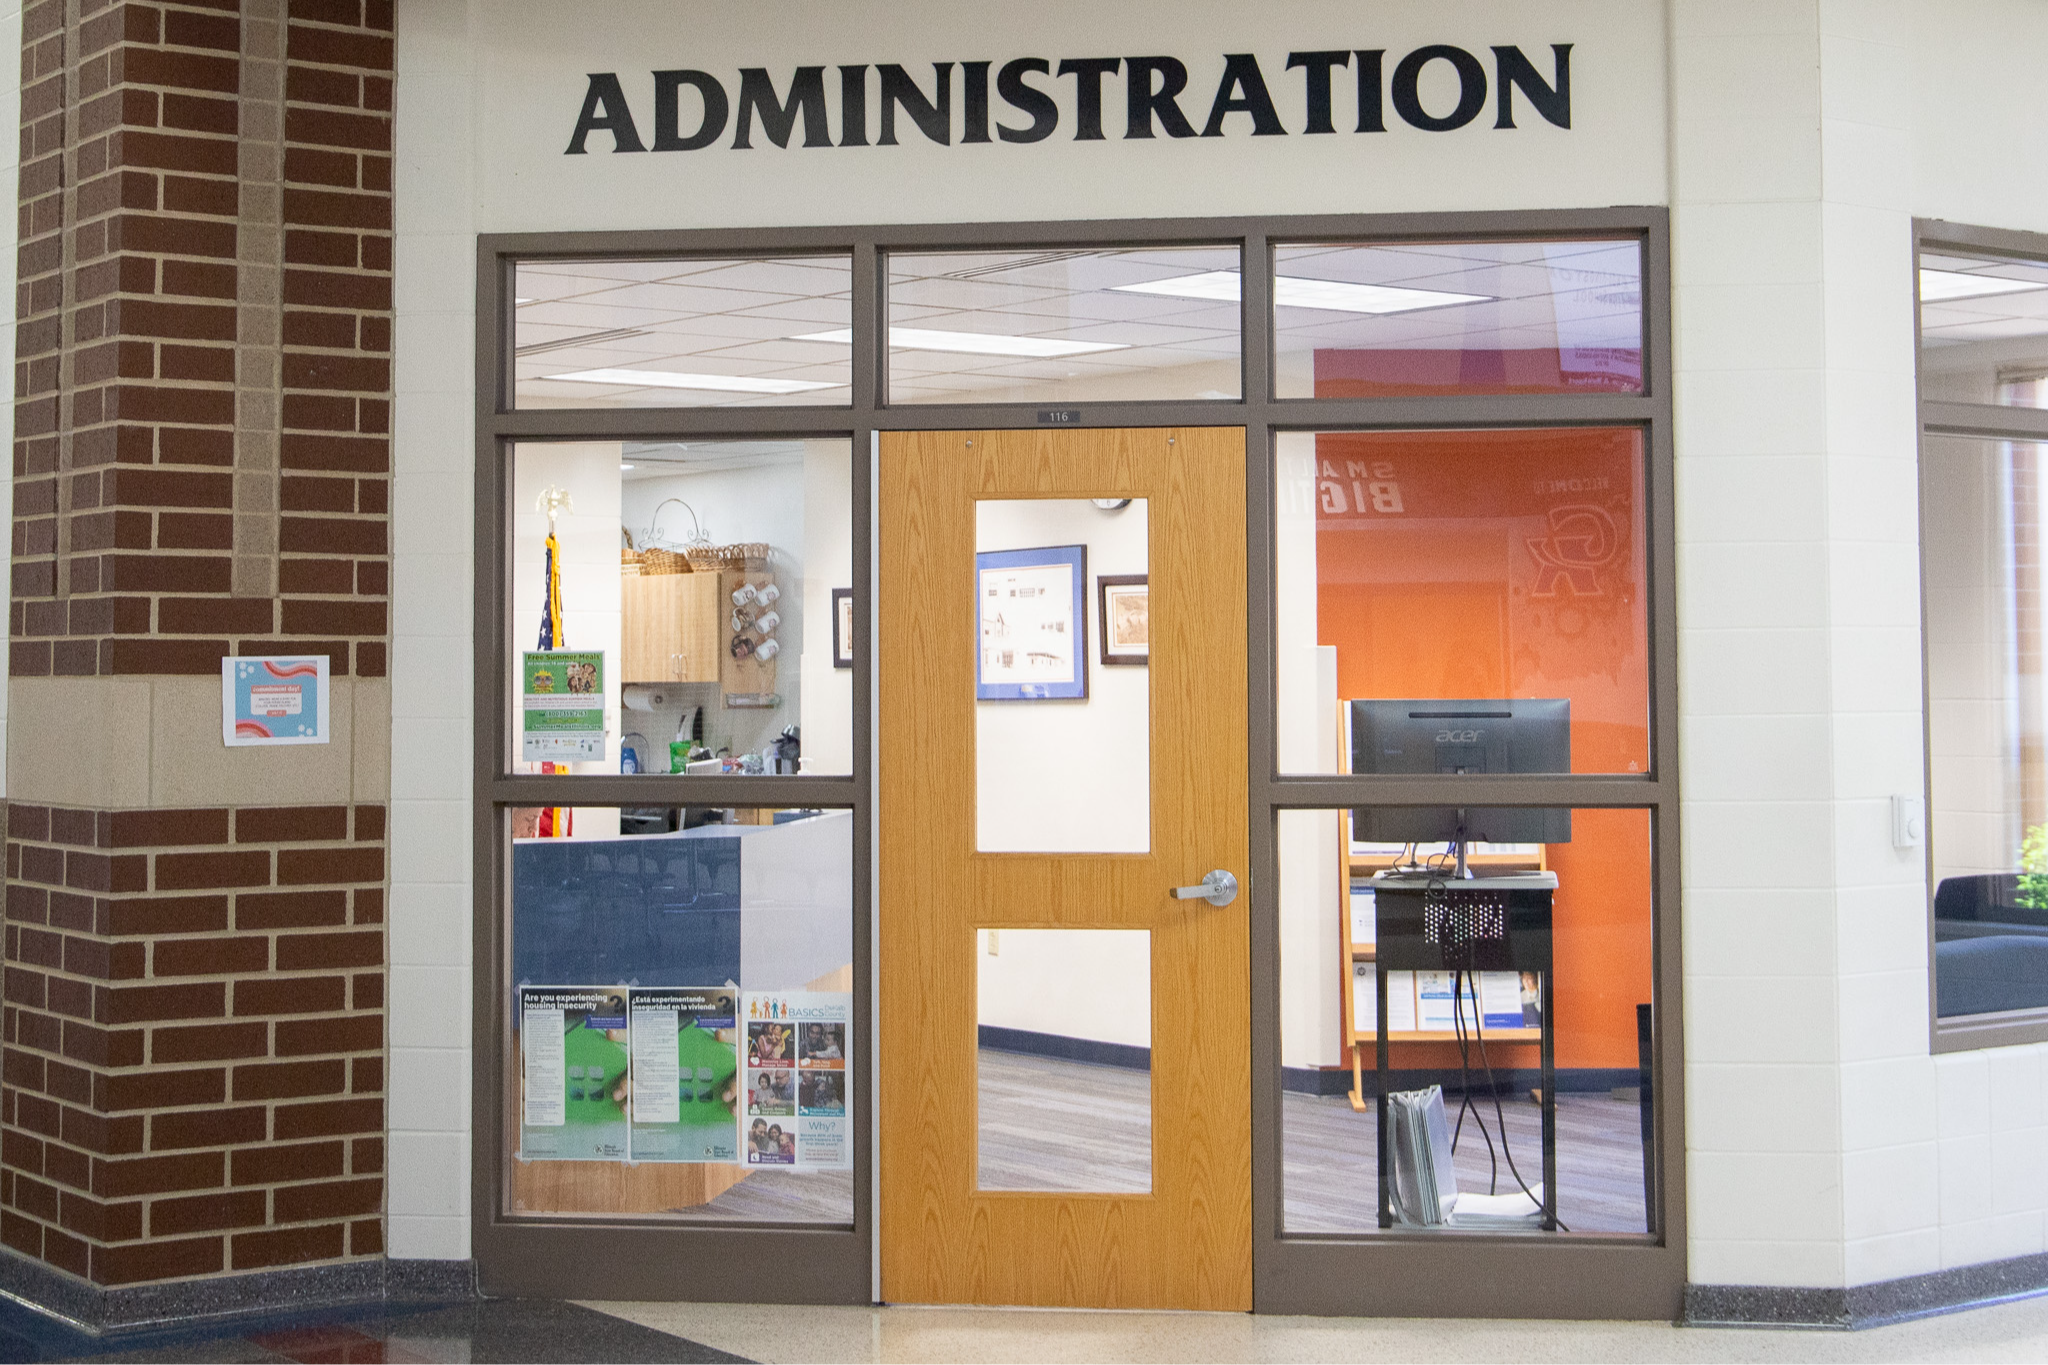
1487, 736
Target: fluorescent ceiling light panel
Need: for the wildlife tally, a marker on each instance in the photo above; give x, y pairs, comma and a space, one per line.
710, 383
1946, 286
973, 343
1294, 291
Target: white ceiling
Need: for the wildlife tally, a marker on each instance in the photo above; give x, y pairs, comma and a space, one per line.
743, 318
1993, 317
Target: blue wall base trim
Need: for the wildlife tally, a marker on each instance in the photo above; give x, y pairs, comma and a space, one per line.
1066, 1049
1866, 1305
1303, 1080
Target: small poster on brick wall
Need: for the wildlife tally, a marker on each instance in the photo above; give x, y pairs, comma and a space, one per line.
281, 700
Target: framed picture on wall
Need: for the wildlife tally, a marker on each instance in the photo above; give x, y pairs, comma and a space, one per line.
1031, 624
842, 627
1123, 615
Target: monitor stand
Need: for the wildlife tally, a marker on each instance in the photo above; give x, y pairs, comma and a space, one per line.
1464, 872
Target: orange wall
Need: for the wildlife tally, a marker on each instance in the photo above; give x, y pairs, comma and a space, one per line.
1510, 564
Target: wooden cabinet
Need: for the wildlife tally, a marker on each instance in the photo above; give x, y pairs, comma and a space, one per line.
671, 628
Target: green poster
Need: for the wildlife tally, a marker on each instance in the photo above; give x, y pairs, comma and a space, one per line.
685, 1074
561, 703
573, 1061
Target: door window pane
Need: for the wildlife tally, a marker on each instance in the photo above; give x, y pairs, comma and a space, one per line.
1983, 330
1408, 318
1063, 326
703, 576
1062, 714
1063, 1094
1466, 1007
680, 333
681, 1013
1472, 593
1987, 723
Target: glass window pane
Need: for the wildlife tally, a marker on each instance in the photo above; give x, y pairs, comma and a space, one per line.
1064, 1060
1064, 326
1406, 318
681, 1013
1061, 683
1987, 723
703, 575
1984, 330
1465, 965
681, 333
1485, 586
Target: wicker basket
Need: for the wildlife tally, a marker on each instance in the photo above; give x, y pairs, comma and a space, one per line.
746, 554
654, 562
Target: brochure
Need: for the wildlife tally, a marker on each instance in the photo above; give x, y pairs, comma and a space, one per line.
1400, 1002
1433, 1003
1365, 998
1364, 920
573, 1062
685, 1082
1500, 999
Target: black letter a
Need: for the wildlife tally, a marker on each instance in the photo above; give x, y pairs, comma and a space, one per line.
616, 119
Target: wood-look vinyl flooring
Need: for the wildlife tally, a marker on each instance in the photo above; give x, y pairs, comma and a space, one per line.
1055, 1125
1052, 1125
784, 1197
1332, 1162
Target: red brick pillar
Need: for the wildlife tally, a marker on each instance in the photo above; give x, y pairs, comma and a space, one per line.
193, 994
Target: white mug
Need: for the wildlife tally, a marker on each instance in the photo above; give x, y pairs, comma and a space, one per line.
768, 593
767, 649
768, 621
743, 594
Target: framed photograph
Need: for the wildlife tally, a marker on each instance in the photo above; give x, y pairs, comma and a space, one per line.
1122, 611
842, 627
1031, 609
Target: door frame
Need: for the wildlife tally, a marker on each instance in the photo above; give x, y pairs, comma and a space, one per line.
1387, 1273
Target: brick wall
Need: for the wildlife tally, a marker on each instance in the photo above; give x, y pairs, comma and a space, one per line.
193, 1038
129, 457
193, 998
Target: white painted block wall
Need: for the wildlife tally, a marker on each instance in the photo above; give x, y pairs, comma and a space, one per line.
1827, 1146
434, 457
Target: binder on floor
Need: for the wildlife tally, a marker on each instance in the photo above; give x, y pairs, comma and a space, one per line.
1425, 1183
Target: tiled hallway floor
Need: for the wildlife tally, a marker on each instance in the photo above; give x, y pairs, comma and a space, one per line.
530, 1330
492, 1330
2007, 1332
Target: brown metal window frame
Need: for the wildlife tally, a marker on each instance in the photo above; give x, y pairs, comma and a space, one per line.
1987, 421
1392, 1273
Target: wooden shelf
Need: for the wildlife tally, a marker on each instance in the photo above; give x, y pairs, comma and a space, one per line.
1364, 864
1492, 1035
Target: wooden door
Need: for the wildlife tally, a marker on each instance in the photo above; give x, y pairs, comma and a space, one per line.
1187, 1243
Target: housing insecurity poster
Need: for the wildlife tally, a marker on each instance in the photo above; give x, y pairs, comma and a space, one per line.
685, 1090
573, 1062
798, 1113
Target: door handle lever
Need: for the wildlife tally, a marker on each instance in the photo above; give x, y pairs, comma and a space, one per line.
1218, 888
